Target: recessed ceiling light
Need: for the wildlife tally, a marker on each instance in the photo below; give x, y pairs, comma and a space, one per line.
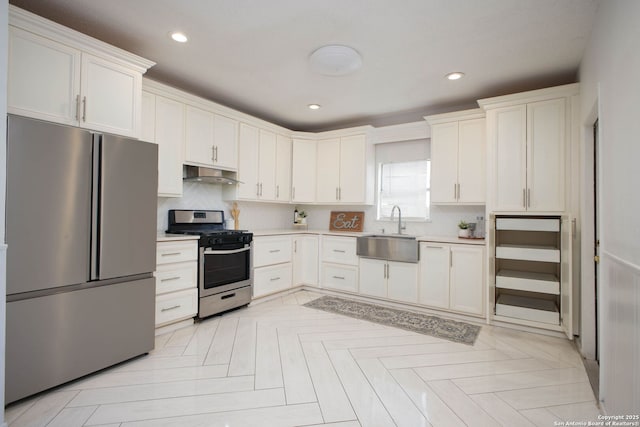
314, 106
179, 37
335, 60
455, 75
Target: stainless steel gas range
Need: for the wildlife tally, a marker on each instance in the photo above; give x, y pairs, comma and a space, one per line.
225, 264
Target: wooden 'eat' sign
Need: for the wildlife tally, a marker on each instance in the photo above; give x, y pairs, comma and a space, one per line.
346, 221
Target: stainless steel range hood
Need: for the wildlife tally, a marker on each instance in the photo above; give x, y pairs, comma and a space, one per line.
208, 175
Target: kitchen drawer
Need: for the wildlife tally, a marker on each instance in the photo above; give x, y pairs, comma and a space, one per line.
534, 309
528, 224
528, 253
339, 250
340, 277
176, 277
168, 252
528, 281
267, 280
271, 250
176, 306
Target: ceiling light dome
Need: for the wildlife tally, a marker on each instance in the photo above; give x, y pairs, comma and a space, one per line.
335, 60
456, 75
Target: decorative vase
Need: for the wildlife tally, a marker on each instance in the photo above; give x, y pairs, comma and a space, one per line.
464, 233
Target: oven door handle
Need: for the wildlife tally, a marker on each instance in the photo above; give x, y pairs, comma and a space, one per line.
234, 251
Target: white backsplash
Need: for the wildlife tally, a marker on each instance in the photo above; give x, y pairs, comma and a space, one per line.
267, 216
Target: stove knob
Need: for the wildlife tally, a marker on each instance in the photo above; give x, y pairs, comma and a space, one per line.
219, 241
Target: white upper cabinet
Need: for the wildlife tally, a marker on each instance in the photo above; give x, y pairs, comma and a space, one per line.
198, 136
458, 172
249, 142
342, 174
169, 135
303, 172
225, 142
328, 170
60, 75
259, 164
148, 120
34, 63
528, 136
283, 168
210, 139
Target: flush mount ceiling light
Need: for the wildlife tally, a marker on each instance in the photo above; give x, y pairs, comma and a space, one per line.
335, 60
179, 37
456, 75
314, 106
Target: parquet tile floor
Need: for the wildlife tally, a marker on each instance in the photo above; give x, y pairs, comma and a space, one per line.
278, 363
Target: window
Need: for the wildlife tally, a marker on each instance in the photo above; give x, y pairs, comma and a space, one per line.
406, 184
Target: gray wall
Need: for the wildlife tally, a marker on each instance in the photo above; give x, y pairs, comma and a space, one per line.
3, 173
610, 91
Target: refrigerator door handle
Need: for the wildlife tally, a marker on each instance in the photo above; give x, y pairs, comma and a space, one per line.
95, 208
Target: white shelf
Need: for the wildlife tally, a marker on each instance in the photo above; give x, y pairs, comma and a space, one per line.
528, 281
528, 253
528, 224
534, 309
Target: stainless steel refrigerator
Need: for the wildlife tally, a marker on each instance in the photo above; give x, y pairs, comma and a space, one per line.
81, 232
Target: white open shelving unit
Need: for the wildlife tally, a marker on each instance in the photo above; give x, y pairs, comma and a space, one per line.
528, 271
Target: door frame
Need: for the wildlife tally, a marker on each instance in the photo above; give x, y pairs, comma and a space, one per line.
588, 327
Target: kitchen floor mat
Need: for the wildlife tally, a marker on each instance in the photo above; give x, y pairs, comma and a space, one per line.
452, 330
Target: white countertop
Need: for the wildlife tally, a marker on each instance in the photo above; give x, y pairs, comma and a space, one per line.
164, 237
438, 239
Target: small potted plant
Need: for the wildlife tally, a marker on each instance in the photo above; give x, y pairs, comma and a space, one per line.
464, 229
302, 215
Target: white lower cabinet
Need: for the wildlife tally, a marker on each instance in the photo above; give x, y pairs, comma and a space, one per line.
271, 279
272, 262
452, 277
340, 277
176, 281
305, 260
389, 279
339, 263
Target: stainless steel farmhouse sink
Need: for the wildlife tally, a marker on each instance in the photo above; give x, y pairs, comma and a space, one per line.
390, 247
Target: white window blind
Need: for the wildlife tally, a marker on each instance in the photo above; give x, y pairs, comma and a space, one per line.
404, 171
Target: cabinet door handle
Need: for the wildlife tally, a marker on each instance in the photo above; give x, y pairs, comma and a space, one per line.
339, 193
170, 308
84, 109
524, 198
228, 296
170, 279
78, 108
455, 192
339, 277
213, 153
261, 189
171, 254
388, 272
339, 250
528, 197
458, 184
277, 191
295, 246
216, 150
257, 189
273, 279
273, 251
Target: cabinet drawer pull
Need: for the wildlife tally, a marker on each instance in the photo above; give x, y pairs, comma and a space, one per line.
273, 279
524, 198
528, 197
277, 191
434, 247
228, 296
273, 251
169, 279
171, 254
78, 108
170, 308
84, 109
339, 251
338, 277
213, 154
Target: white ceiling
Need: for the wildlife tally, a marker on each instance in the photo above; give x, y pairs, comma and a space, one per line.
252, 55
